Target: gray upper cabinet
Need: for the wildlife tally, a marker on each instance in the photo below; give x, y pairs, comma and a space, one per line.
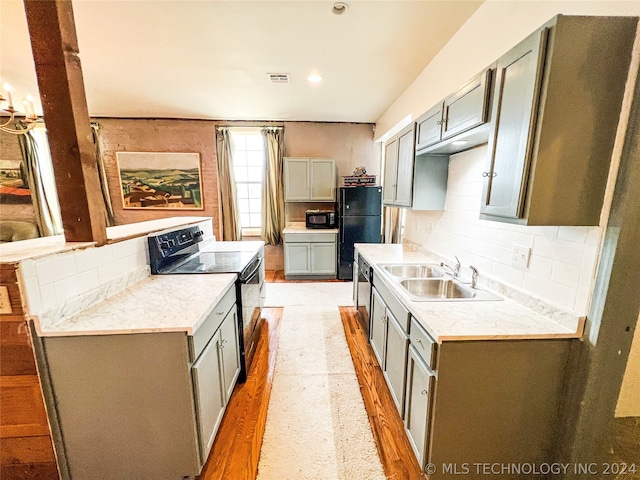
429, 127
309, 180
399, 158
468, 107
390, 171
459, 113
419, 183
557, 101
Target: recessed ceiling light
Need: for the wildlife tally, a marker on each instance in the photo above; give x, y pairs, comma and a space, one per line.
460, 142
314, 78
339, 8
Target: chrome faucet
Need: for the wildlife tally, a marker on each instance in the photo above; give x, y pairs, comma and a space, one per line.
474, 276
455, 270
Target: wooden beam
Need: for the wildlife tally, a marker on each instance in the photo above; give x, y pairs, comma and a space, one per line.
55, 53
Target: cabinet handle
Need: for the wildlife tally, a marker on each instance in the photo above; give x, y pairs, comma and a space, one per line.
439, 122
219, 313
423, 392
489, 174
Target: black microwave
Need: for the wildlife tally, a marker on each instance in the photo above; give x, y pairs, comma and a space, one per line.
320, 219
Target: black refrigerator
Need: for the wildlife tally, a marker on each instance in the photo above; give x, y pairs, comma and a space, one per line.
359, 221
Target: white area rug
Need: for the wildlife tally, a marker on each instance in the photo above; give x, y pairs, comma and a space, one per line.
317, 426
311, 293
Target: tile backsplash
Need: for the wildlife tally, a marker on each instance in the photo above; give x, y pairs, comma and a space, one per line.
51, 282
562, 264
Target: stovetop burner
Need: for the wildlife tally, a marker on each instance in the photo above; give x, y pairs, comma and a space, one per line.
213, 262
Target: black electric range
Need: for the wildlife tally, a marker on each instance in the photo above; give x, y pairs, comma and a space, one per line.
179, 252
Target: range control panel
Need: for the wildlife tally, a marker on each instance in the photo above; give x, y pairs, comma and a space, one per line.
168, 243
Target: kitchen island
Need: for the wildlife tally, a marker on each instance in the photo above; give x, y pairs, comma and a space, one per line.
474, 381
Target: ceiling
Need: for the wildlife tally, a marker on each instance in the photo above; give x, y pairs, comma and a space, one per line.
210, 59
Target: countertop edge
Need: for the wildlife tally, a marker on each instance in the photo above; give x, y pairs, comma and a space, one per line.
440, 338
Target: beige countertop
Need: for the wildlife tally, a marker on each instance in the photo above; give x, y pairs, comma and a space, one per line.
465, 320
160, 303
15, 252
300, 227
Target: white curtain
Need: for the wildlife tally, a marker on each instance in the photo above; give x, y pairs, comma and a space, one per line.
37, 159
231, 228
272, 186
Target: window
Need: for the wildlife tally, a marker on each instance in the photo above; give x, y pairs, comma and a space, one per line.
248, 166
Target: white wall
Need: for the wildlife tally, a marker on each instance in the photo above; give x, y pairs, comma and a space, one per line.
495, 27
563, 259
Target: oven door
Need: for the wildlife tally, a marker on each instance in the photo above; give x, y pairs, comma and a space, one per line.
252, 292
364, 293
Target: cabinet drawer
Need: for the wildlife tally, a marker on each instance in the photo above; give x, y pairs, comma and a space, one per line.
202, 336
309, 237
398, 309
423, 343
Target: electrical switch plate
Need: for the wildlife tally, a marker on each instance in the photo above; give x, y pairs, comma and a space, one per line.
520, 257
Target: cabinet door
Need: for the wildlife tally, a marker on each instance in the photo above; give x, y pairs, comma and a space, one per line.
418, 395
429, 127
516, 94
396, 361
467, 108
323, 180
378, 333
209, 393
390, 171
296, 179
230, 350
296, 258
323, 258
406, 159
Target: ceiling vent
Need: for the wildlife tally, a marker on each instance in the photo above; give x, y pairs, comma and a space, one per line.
279, 77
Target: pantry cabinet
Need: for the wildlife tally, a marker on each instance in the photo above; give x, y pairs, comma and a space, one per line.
557, 101
309, 180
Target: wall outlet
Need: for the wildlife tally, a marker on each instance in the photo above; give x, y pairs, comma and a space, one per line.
520, 256
426, 228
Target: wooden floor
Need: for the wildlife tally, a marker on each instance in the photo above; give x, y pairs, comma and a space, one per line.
236, 451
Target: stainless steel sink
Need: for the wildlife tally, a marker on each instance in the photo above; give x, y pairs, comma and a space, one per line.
409, 270
433, 289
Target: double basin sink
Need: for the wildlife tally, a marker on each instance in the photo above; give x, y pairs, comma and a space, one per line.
428, 283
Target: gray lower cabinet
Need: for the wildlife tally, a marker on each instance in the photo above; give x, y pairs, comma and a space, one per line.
420, 381
378, 328
142, 405
397, 346
310, 255
557, 101
389, 339
214, 376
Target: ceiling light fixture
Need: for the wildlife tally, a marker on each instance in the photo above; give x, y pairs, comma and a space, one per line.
314, 78
30, 118
339, 8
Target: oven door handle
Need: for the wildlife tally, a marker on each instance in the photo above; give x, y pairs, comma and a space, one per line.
249, 277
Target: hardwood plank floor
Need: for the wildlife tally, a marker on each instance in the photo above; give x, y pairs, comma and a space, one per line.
394, 449
236, 451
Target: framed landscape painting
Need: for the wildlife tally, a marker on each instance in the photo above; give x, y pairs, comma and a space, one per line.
151, 180
13, 183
